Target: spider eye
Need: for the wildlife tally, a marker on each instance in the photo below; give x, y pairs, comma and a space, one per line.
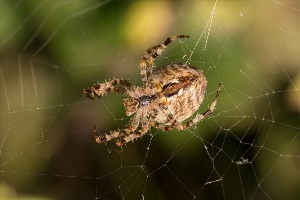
145, 100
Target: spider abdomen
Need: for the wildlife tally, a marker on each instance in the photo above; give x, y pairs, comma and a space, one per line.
184, 88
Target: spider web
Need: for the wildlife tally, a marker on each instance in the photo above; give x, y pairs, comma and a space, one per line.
247, 149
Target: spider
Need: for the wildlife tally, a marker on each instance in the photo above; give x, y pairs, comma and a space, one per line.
169, 95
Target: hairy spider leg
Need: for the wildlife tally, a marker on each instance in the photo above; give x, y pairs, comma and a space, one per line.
133, 134
145, 126
195, 120
147, 60
117, 134
130, 133
116, 85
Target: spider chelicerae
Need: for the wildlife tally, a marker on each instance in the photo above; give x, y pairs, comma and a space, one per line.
169, 95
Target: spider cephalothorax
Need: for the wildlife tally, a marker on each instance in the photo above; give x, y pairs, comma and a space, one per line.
169, 95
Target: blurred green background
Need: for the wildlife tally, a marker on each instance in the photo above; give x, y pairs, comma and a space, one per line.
51, 50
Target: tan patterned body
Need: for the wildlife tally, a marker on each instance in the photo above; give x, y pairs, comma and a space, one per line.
169, 95
184, 89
